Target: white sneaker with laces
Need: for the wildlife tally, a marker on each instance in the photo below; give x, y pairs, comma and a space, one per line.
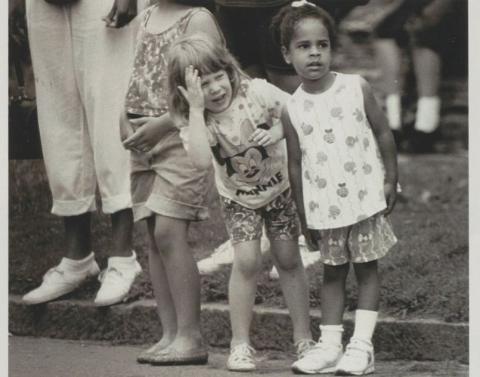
59, 281
241, 358
321, 358
303, 346
358, 359
117, 279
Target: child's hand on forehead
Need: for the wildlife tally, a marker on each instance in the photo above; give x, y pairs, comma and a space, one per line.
193, 92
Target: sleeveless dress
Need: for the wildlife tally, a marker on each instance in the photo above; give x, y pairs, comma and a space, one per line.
342, 169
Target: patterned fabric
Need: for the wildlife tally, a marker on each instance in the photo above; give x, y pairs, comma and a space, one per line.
244, 224
147, 91
246, 172
251, 3
342, 169
363, 242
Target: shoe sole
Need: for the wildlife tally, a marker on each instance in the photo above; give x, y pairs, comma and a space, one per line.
341, 372
241, 370
298, 370
187, 361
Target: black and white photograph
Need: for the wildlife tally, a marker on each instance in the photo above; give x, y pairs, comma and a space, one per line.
210, 188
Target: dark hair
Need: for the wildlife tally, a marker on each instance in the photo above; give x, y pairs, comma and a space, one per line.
207, 57
285, 21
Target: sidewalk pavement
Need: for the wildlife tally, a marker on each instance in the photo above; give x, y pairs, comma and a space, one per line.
42, 357
137, 323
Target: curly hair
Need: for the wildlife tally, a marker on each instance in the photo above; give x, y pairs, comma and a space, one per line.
284, 23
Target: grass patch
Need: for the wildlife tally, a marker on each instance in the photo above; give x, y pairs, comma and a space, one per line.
425, 275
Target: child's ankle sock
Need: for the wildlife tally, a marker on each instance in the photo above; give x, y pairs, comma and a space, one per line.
393, 107
331, 334
365, 321
428, 114
77, 265
123, 260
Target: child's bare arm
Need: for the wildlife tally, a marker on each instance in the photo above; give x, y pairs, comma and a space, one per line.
148, 131
386, 144
199, 149
295, 176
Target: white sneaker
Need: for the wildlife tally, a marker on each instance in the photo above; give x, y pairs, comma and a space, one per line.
321, 358
358, 359
59, 281
116, 279
241, 358
303, 346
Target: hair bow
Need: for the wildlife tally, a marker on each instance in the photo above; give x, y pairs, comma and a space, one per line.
301, 3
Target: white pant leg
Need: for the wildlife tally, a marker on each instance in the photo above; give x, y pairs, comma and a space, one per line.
64, 135
87, 81
106, 57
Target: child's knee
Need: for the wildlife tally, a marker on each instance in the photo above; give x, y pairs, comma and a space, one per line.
335, 273
288, 261
248, 264
164, 239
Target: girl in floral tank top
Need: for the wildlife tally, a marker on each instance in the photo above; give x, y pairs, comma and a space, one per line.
167, 191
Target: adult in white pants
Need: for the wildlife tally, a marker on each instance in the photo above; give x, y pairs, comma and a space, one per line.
82, 54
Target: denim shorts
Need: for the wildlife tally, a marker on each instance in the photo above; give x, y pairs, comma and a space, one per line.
245, 224
165, 182
362, 242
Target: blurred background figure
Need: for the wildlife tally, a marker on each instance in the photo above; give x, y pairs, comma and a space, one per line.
430, 32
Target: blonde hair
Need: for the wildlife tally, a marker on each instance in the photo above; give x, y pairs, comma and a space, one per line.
207, 57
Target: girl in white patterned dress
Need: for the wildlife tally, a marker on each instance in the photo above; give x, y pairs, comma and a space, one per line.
343, 173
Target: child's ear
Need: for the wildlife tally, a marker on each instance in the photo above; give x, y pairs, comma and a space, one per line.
286, 55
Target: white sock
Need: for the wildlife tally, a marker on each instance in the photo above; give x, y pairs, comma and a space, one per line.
331, 334
428, 114
77, 265
123, 260
365, 321
393, 107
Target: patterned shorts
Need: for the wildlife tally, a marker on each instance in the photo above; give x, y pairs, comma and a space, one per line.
362, 242
245, 224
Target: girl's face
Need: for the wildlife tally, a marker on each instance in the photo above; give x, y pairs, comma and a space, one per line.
217, 91
309, 50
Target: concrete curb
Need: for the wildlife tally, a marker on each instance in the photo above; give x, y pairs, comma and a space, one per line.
137, 323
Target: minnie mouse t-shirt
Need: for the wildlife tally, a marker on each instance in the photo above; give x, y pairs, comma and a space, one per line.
246, 172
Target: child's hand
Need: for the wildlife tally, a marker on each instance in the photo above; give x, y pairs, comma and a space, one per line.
193, 93
390, 197
146, 136
261, 137
122, 12
312, 236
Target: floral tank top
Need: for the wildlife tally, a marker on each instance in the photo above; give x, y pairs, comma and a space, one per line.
147, 90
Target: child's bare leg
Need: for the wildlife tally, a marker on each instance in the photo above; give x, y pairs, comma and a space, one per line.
122, 230
78, 236
183, 279
333, 293
368, 300
368, 285
294, 285
242, 287
161, 290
